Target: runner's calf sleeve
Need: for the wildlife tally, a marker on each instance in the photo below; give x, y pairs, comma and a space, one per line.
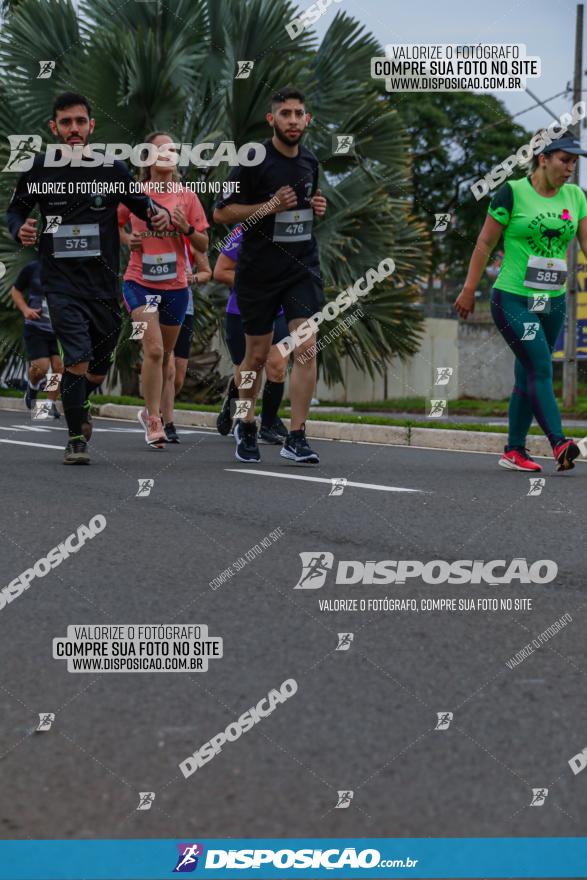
272, 397
73, 395
89, 387
232, 393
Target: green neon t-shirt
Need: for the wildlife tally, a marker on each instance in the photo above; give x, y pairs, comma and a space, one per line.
535, 226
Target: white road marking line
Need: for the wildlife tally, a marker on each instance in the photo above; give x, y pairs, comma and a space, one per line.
96, 429
24, 443
322, 480
184, 429
36, 428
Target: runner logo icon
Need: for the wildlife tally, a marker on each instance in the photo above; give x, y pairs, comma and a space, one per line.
537, 484
46, 719
138, 329
314, 569
23, 149
46, 69
152, 304
443, 375
241, 408
530, 331
41, 409
244, 69
187, 861
146, 799
344, 641
53, 382
444, 719
343, 144
437, 409
539, 795
344, 800
247, 379
53, 223
539, 302
145, 486
441, 222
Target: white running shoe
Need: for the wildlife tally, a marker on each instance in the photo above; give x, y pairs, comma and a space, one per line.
153, 428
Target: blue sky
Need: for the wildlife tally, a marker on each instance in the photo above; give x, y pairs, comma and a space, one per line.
547, 27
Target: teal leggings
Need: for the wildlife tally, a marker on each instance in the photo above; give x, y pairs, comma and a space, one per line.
533, 393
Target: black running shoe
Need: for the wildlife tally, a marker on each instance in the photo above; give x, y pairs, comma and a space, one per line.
76, 451
54, 412
245, 434
87, 422
295, 448
30, 396
224, 420
171, 434
271, 435
279, 428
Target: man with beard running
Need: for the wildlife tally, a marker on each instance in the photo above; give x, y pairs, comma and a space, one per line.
79, 253
278, 265
272, 428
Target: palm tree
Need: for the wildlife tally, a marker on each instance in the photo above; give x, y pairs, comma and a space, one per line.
171, 65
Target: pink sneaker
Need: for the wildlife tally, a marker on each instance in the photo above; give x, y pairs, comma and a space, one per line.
565, 454
153, 428
518, 460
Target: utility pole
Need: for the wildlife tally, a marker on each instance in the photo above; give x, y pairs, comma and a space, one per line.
570, 362
541, 104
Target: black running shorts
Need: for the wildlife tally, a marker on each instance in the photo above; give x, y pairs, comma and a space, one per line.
39, 344
259, 308
87, 329
234, 335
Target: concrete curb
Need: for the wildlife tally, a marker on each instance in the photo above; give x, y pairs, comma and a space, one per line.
431, 438
16, 404
472, 441
434, 438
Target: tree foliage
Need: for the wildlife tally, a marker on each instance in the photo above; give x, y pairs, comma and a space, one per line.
171, 65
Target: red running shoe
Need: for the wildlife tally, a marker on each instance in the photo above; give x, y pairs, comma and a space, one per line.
565, 454
517, 459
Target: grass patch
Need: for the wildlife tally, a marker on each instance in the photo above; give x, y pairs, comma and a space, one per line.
464, 407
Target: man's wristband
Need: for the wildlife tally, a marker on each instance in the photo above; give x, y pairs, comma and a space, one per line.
190, 230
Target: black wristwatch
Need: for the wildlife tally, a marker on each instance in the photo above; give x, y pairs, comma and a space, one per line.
190, 230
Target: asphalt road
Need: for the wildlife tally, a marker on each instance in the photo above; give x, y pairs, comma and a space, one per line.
362, 719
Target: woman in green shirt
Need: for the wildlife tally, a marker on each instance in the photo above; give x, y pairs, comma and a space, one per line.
538, 216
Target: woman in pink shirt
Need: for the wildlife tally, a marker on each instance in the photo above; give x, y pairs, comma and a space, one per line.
155, 288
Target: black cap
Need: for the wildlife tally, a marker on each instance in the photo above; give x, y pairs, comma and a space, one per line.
567, 142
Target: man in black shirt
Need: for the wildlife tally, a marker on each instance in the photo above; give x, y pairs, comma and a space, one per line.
40, 342
278, 265
79, 255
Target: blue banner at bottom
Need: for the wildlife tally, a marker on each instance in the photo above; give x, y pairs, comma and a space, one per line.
305, 858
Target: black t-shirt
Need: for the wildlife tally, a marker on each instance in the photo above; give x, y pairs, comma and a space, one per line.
29, 283
277, 250
88, 223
